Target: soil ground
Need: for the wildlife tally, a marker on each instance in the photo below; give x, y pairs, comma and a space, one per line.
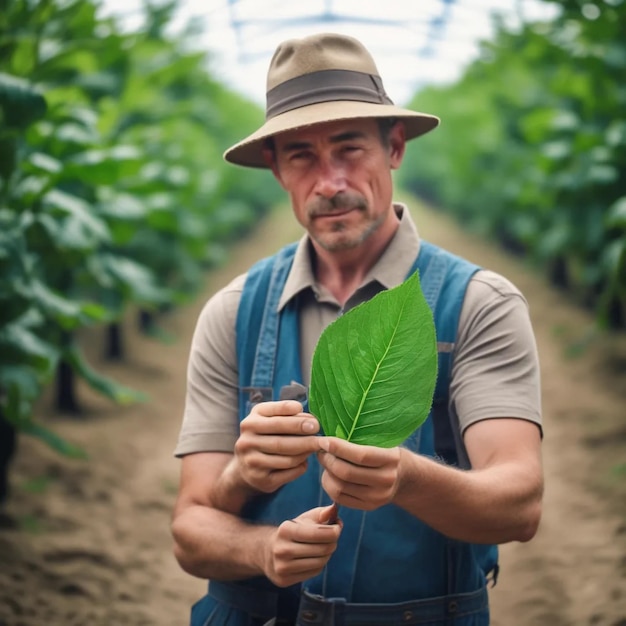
86, 543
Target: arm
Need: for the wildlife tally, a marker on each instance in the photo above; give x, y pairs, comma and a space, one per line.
497, 501
495, 394
210, 539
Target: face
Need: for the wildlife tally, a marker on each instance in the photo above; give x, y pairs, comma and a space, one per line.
338, 177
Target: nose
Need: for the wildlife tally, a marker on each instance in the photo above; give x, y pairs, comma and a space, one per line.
331, 179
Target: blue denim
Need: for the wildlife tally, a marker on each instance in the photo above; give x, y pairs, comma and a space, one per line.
388, 564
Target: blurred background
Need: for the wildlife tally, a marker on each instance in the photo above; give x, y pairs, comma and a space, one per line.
116, 205
115, 115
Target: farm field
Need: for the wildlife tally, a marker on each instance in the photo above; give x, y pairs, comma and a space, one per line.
87, 542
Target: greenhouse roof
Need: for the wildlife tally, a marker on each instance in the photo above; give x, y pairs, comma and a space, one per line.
414, 44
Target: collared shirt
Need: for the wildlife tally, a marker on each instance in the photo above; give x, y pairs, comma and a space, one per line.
495, 372
390, 270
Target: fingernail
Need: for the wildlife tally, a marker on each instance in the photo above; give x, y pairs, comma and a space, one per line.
309, 426
324, 444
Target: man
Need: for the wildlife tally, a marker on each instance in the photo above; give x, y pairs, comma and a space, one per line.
414, 539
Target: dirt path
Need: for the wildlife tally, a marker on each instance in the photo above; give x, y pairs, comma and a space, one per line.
87, 542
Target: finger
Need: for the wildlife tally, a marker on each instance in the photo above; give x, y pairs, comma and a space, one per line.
298, 570
266, 459
345, 476
280, 407
298, 424
267, 450
330, 515
366, 456
289, 549
355, 496
286, 445
345, 471
316, 521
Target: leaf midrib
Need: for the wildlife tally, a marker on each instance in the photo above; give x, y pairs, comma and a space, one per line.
355, 421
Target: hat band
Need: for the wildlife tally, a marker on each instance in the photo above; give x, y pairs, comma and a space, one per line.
325, 86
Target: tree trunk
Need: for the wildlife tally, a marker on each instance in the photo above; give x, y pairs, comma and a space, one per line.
8, 445
66, 389
115, 344
558, 273
145, 321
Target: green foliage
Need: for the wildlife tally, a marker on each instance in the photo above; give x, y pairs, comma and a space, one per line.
532, 148
113, 190
374, 368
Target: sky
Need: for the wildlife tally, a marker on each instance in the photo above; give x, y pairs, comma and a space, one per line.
413, 43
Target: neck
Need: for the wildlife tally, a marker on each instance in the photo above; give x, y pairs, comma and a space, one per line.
342, 271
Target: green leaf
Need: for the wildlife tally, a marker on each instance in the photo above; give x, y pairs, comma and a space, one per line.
375, 368
25, 380
105, 166
67, 313
135, 279
20, 103
107, 387
18, 336
122, 206
83, 229
616, 214
44, 163
57, 443
8, 155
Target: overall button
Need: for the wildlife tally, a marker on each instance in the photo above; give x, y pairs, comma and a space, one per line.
452, 606
407, 616
309, 616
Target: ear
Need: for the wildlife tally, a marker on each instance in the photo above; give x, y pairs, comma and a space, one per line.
397, 144
269, 156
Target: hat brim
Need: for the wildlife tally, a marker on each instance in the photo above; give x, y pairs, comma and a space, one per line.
249, 151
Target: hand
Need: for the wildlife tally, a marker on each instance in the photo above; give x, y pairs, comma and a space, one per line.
275, 441
300, 548
357, 476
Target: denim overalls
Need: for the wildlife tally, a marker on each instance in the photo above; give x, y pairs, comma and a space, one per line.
389, 567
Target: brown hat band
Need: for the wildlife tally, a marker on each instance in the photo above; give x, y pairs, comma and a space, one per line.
325, 86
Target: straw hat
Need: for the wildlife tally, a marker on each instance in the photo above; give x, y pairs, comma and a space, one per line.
317, 79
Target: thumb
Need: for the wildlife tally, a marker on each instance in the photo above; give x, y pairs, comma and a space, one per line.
329, 514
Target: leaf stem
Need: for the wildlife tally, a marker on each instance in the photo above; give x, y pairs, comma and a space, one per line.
334, 515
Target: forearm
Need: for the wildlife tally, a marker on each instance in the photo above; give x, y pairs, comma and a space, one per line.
213, 544
210, 539
495, 505
231, 491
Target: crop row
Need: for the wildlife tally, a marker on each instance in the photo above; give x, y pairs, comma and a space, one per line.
113, 191
532, 149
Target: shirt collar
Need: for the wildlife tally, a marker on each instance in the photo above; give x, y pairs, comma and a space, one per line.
390, 270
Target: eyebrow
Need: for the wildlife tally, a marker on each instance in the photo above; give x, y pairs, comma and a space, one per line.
349, 135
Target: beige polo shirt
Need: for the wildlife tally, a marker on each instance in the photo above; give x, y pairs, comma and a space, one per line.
495, 369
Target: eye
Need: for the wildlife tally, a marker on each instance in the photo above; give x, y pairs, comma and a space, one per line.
352, 150
302, 156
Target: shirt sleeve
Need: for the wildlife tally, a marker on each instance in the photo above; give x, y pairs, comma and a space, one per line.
495, 371
211, 420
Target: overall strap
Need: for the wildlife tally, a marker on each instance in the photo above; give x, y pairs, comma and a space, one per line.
258, 322
444, 278
432, 266
265, 359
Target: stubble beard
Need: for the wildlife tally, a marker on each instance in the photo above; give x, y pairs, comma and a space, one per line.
333, 241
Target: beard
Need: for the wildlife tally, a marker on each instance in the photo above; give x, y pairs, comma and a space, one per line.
342, 235
340, 202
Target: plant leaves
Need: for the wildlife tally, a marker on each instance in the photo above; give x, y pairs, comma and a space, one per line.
20, 103
120, 394
56, 442
374, 369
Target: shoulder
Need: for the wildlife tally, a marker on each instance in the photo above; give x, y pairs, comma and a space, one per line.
494, 285
493, 301
220, 310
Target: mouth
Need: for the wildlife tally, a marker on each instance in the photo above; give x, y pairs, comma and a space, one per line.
334, 214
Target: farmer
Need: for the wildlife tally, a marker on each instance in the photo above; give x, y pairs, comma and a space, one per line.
417, 529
